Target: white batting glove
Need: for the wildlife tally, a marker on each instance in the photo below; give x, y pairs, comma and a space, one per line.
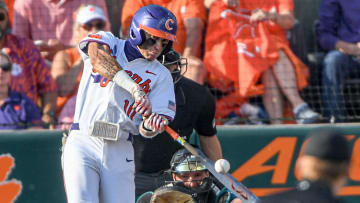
155, 123
142, 104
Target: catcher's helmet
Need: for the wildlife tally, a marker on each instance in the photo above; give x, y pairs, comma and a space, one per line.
184, 161
170, 58
154, 19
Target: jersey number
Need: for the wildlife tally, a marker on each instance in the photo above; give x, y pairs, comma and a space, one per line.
104, 82
129, 110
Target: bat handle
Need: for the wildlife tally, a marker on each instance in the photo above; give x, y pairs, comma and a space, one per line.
181, 140
171, 132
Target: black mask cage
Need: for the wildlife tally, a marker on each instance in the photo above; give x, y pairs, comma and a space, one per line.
172, 57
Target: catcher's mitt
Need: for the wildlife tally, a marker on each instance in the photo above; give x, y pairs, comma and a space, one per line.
172, 194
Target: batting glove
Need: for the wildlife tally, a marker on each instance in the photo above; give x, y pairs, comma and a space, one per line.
142, 104
154, 124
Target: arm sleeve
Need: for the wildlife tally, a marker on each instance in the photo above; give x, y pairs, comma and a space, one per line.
101, 37
326, 29
205, 125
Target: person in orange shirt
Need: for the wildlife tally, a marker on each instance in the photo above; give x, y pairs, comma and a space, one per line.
246, 49
191, 18
67, 66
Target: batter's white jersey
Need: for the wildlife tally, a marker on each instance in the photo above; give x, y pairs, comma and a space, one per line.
101, 99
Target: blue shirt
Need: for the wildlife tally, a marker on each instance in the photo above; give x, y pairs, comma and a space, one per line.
18, 112
338, 20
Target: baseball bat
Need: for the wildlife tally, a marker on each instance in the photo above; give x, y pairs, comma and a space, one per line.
229, 181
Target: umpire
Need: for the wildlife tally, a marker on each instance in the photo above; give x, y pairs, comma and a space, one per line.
324, 167
195, 110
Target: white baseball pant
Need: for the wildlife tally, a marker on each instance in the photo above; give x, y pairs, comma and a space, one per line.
97, 170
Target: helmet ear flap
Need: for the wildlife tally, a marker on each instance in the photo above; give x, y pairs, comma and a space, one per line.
137, 37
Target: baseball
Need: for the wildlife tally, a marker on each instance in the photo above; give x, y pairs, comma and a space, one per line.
222, 166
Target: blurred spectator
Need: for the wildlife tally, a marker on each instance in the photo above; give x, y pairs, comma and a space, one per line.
324, 168
68, 65
115, 11
247, 54
29, 74
10, 6
17, 111
49, 22
191, 18
338, 32
233, 3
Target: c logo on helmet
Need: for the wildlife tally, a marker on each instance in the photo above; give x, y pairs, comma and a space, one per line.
167, 24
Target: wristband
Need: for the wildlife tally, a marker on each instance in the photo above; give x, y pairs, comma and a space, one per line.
147, 130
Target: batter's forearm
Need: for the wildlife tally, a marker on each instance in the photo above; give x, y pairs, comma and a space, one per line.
102, 61
108, 67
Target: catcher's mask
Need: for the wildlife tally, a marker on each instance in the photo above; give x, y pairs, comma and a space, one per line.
171, 58
185, 165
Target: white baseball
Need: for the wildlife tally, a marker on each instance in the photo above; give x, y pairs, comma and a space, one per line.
222, 166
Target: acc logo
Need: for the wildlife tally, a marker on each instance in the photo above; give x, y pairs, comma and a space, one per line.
9, 190
167, 24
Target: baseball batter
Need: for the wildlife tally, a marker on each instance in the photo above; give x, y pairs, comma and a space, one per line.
119, 80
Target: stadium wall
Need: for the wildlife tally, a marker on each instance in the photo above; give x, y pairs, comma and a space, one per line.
263, 158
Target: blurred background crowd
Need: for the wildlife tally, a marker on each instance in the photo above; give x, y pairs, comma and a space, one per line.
265, 61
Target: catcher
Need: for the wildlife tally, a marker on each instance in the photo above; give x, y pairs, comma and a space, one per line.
191, 183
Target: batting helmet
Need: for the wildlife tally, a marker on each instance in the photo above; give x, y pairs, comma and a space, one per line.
154, 19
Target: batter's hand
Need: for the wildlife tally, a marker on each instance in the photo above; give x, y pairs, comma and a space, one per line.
155, 123
142, 104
